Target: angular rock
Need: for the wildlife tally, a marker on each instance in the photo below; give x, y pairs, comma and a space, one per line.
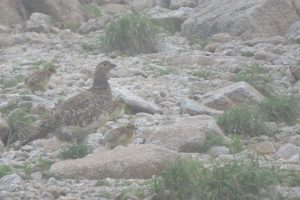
288, 151
293, 34
137, 104
4, 130
176, 4
12, 12
39, 23
184, 134
296, 73
170, 18
246, 18
236, 93
114, 8
139, 5
192, 107
134, 161
265, 147
69, 12
218, 150
10, 182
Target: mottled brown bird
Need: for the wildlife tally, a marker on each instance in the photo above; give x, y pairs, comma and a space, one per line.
122, 135
81, 114
38, 81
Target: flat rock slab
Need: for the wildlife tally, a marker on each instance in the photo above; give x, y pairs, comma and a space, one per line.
244, 18
138, 104
132, 162
184, 134
231, 95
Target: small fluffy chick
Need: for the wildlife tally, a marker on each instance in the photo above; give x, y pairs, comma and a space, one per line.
122, 135
38, 81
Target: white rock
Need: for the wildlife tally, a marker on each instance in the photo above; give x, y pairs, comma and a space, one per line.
288, 151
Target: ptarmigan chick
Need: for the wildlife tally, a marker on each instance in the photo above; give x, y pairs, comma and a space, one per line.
122, 135
38, 81
82, 114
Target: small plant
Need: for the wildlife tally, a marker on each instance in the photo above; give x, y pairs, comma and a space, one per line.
237, 180
132, 34
255, 76
280, 109
203, 74
5, 170
9, 83
91, 10
236, 145
75, 151
201, 43
212, 139
40, 165
242, 120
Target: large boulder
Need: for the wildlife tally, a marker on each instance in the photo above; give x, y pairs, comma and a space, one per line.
4, 130
184, 134
68, 12
231, 95
39, 22
134, 161
245, 18
12, 12
293, 34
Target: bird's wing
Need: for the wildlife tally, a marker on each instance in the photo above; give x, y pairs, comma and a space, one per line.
83, 109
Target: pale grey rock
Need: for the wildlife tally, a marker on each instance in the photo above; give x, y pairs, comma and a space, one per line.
140, 5
4, 29
176, 4
226, 97
192, 107
4, 130
288, 151
246, 18
39, 23
10, 182
293, 33
183, 134
69, 12
134, 161
138, 104
296, 73
218, 150
288, 193
265, 147
12, 12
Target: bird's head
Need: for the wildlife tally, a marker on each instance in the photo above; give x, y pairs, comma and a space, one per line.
104, 67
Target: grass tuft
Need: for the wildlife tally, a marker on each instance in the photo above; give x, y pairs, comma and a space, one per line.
75, 151
242, 120
237, 180
280, 109
132, 34
255, 76
5, 170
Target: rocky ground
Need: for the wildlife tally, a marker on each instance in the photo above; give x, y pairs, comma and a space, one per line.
177, 93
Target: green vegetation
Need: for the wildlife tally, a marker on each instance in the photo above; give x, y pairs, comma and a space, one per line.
75, 151
20, 121
91, 10
212, 139
5, 170
201, 43
132, 34
255, 76
215, 139
203, 73
242, 120
280, 109
12, 82
237, 180
40, 165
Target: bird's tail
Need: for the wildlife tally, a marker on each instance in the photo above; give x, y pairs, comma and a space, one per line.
45, 127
